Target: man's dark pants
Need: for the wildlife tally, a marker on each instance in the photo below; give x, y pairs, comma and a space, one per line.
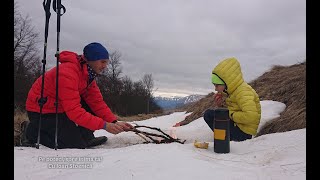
70, 135
236, 134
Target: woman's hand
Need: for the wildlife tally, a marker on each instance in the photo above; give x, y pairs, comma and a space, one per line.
218, 99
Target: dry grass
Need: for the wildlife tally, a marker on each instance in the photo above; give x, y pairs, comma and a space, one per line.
286, 84
19, 117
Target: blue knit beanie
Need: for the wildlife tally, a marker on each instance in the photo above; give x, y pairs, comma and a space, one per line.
95, 51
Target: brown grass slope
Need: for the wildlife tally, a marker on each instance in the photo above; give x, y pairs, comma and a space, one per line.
286, 84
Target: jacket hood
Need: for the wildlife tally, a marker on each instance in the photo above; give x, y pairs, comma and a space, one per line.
68, 56
229, 71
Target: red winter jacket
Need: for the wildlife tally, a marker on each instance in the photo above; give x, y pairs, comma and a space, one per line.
73, 84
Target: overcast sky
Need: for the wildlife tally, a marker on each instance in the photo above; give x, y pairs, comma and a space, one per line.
180, 41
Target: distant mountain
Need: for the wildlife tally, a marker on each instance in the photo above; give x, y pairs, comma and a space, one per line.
176, 101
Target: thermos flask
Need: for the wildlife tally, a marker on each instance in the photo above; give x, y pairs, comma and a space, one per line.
221, 131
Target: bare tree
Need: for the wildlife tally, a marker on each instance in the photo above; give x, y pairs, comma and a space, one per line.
25, 37
147, 81
122, 95
26, 58
114, 69
127, 84
110, 83
126, 96
113, 73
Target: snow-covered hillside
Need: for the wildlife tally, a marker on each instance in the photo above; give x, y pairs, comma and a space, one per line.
273, 156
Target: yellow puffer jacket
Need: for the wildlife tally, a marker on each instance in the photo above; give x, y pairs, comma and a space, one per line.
243, 102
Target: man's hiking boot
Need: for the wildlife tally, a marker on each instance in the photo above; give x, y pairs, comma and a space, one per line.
23, 137
97, 141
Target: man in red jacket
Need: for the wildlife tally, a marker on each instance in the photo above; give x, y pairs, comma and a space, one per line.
81, 108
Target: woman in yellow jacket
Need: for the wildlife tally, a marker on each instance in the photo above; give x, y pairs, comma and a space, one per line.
242, 100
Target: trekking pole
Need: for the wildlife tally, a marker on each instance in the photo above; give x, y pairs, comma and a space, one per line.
43, 100
57, 8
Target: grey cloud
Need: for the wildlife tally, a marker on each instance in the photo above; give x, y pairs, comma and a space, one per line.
180, 41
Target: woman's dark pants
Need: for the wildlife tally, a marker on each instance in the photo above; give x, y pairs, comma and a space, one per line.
236, 134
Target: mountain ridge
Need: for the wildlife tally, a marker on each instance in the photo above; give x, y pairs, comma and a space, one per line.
176, 101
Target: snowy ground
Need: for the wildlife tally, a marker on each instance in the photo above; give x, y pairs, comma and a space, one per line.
273, 156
